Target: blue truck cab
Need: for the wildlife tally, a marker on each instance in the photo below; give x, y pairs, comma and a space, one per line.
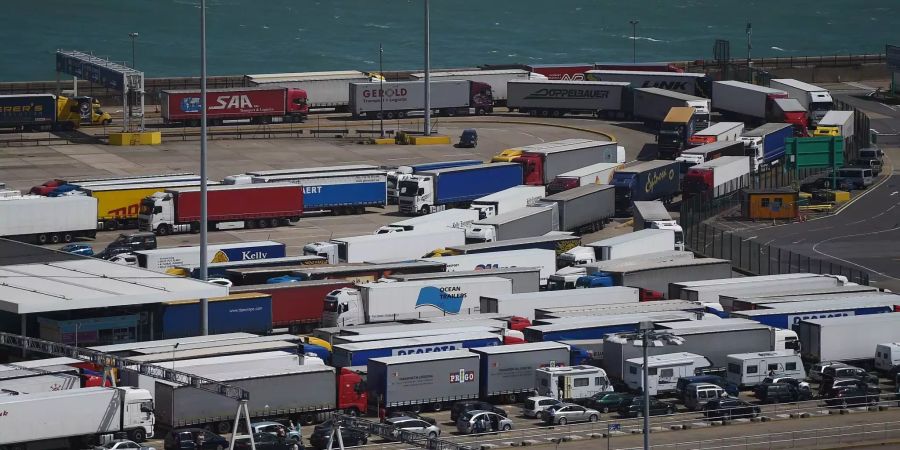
599, 279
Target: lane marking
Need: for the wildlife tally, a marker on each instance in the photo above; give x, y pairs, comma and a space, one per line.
815, 249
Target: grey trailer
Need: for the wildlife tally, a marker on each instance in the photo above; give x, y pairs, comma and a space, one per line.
558, 312
645, 213
507, 371
524, 279
745, 302
520, 223
710, 294
656, 275
432, 379
653, 104
585, 208
676, 287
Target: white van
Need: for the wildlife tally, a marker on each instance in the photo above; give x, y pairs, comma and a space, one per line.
749, 369
698, 394
887, 356
571, 382
664, 371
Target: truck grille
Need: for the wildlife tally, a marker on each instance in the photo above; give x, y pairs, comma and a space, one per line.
406, 206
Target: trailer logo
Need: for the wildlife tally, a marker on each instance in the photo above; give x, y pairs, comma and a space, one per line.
447, 299
542, 94
389, 92
232, 102
654, 179
463, 376
795, 319
667, 85
190, 104
428, 349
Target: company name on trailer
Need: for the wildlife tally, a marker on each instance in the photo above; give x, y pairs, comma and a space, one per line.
654, 179
248, 255
428, 349
232, 102
558, 93
389, 92
795, 319
667, 85
462, 376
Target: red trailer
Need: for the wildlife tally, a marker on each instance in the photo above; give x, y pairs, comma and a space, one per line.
228, 207
562, 71
258, 105
297, 306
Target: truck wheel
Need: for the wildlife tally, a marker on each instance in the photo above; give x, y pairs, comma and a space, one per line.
262, 223
532, 113
54, 238
223, 427
308, 419
555, 113
274, 223
389, 115
162, 230
511, 398
451, 112
195, 227
67, 237
424, 210
42, 238
138, 435
249, 224
401, 114
480, 112
437, 406
352, 412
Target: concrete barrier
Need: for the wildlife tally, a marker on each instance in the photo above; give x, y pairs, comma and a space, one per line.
138, 138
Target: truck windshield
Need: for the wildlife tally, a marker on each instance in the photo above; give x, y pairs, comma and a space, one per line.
146, 207
408, 188
331, 306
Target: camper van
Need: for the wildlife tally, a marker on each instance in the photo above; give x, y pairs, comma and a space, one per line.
664, 371
887, 356
749, 369
571, 382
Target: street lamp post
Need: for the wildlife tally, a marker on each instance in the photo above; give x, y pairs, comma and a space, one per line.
381, 88
427, 70
749, 31
204, 238
133, 35
634, 40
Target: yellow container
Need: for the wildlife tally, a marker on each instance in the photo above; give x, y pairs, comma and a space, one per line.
841, 196
826, 131
429, 140
507, 155
140, 138
384, 141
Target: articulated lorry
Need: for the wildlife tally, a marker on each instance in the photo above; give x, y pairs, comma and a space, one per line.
789, 110
337, 192
597, 327
652, 105
717, 178
255, 105
567, 277
542, 165
436, 190
556, 241
836, 123
751, 103
815, 99
584, 209
48, 112
431, 380
497, 79
507, 371
684, 82
396, 99
644, 181
600, 173
507, 200
229, 207
360, 353
543, 259
707, 152
327, 90
385, 247
364, 273
448, 218
386, 302
523, 277
849, 339
523, 222
118, 205
654, 215
788, 315
56, 187
403, 173
639, 242
652, 275
48, 220
296, 306
675, 132
720, 132
765, 144
524, 305
162, 259
556, 98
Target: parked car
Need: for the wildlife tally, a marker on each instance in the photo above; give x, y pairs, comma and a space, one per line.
194, 439
698, 394
683, 382
120, 444
471, 405
844, 375
564, 413
605, 401
859, 394
478, 421
351, 437
413, 415
781, 393
798, 384
634, 407
265, 441
729, 408
404, 423
273, 429
816, 371
828, 389
535, 406
78, 249
468, 138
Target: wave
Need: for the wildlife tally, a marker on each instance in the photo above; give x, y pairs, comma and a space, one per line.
644, 38
377, 25
778, 49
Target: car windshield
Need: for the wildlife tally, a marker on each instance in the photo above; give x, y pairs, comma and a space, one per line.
110, 445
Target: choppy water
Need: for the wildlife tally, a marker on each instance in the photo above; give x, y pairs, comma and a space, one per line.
309, 35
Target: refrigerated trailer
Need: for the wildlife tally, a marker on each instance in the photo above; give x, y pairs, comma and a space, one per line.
556, 241
363, 273
630, 244
524, 305
555, 98
387, 247
543, 259
448, 218
48, 220
523, 278
396, 99
717, 178
847, 339
707, 152
507, 200
815, 99
162, 259
256, 105
325, 89
496, 79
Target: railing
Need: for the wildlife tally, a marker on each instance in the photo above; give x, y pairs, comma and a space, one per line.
796, 61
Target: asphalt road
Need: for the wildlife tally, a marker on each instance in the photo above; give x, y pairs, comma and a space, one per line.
864, 235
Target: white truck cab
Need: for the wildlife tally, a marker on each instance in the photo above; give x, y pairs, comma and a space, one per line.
343, 308
671, 225
576, 256
571, 382
327, 250
416, 195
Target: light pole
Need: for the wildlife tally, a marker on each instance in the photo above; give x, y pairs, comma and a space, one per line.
174, 347
634, 40
427, 70
133, 35
381, 88
204, 239
749, 31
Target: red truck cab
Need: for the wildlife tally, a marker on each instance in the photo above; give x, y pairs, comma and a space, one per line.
697, 181
532, 168
518, 323
297, 102
352, 395
649, 295
46, 188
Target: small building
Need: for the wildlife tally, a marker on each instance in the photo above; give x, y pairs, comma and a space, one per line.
769, 203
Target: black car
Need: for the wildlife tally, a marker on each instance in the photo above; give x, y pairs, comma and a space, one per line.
319, 437
729, 408
468, 138
460, 408
781, 393
799, 385
194, 439
605, 401
634, 407
859, 394
842, 377
265, 441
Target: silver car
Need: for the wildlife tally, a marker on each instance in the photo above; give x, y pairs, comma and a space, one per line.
404, 423
569, 413
479, 421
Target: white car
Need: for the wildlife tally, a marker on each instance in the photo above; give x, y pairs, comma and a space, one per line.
122, 444
534, 406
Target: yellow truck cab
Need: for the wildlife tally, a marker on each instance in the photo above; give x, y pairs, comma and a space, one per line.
91, 113
826, 131
507, 155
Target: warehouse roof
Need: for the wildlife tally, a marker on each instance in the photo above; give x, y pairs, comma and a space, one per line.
57, 282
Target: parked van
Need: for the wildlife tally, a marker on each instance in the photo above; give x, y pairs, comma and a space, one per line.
873, 164
855, 178
871, 153
664, 371
682, 384
698, 394
749, 369
887, 356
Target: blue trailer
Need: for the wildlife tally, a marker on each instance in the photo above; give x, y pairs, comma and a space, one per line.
250, 312
646, 181
597, 327
424, 167
358, 354
766, 143
403, 173
788, 315
339, 192
28, 112
436, 190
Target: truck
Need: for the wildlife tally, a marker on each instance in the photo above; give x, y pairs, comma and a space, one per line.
707, 152
496, 79
37, 380
815, 99
597, 327
542, 165
448, 218
118, 205
423, 380
330, 390
722, 131
646, 180
360, 353
261, 105
362, 273
101, 411
600, 173
524, 278
788, 315
523, 222
385, 302
296, 306
561, 71
229, 207
789, 110
556, 241
543, 259
568, 276
403, 173
717, 178
652, 275
247, 177
638, 242
49, 112
584, 209
327, 90
683, 82
385, 247
675, 131
556, 98
436, 190
507, 200
750, 103
771, 284
836, 123
48, 220
523, 305
765, 144
337, 192
652, 105
766, 300
221, 270
849, 339
247, 312
162, 259
396, 99
507, 371
678, 289
653, 215
55, 186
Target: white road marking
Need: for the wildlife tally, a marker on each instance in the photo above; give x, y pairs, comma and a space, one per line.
815, 249
750, 238
797, 242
